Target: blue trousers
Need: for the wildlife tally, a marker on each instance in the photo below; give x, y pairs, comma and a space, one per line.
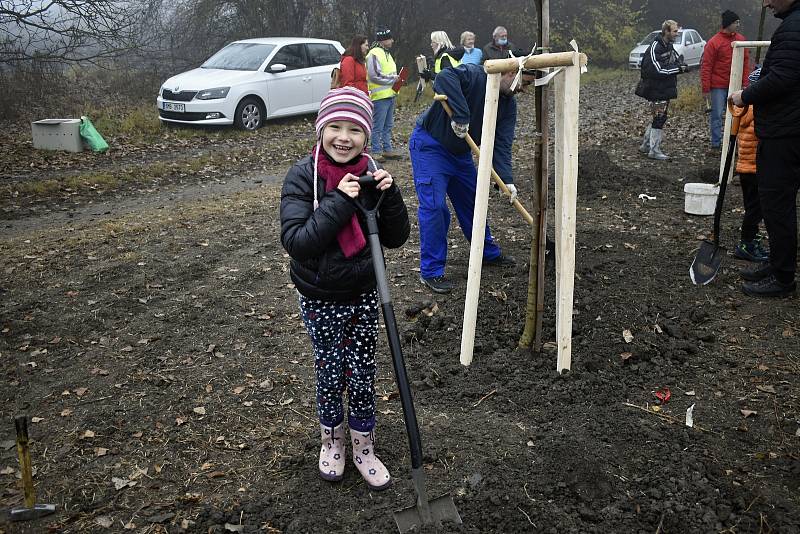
438, 174
382, 123
344, 335
719, 98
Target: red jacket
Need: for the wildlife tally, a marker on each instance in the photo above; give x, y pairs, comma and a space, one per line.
715, 70
353, 74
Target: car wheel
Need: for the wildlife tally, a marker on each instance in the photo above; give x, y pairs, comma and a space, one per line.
250, 114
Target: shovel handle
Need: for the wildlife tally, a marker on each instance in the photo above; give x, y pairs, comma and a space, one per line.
737, 113
442, 99
24, 454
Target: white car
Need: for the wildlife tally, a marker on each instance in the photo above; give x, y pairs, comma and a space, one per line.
688, 44
250, 81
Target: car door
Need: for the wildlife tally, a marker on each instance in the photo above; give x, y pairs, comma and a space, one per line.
289, 92
699, 46
323, 58
690, 54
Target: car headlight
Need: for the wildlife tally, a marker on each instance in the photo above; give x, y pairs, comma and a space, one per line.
211, 94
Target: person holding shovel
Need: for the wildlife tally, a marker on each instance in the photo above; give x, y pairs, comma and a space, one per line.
443, 167
775, 97
332, 269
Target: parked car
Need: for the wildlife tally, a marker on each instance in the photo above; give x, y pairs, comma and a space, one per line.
689, 44
250, 81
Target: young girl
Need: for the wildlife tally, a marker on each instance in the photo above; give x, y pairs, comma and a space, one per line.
331, 268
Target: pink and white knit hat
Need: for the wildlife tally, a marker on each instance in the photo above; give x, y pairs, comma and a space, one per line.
345, 104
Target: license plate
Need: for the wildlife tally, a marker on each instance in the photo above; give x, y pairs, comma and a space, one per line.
170, 106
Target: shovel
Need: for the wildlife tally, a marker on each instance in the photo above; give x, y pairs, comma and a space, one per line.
31, 509
709, 257
425, 511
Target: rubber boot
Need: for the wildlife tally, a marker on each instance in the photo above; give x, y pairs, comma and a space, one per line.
645, 148
331, 455
371, 468
656, 135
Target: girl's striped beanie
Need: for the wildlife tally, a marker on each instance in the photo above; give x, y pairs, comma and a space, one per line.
345, 104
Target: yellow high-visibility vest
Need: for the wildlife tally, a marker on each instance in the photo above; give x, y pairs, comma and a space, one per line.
386, 62
437, 66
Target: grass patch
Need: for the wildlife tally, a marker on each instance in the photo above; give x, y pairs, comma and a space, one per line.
690, 99
602, 74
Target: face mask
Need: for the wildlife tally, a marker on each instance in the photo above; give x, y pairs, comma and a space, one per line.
503, 41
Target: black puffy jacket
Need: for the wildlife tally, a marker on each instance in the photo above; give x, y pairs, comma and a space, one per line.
776, 94
660, 67
318, 267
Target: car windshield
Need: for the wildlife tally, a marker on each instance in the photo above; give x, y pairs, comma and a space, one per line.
239, 56
649, 39
652, 37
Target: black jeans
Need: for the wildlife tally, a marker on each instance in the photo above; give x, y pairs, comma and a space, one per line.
778, 163
752, 206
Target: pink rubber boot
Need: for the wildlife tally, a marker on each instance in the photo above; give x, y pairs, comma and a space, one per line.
371, 468
331, 455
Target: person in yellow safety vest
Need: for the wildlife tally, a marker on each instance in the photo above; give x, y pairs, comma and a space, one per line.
381, 75
444, 54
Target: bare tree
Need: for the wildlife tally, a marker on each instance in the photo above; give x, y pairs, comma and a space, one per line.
68, 30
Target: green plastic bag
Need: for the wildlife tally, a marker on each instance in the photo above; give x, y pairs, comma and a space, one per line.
92, 136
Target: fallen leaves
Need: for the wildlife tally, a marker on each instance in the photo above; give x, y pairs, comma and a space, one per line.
627, 336
86, 434
748, 413
200, 410
120, 483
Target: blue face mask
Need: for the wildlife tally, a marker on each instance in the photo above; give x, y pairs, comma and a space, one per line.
503, 41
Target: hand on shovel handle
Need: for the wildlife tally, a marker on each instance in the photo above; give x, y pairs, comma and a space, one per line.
442, 99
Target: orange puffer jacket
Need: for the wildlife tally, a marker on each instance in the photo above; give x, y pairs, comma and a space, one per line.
747, 143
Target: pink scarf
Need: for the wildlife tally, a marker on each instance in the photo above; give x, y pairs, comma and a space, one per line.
350, 237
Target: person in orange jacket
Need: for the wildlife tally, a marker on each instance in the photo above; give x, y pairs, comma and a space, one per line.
715, 72
749, 248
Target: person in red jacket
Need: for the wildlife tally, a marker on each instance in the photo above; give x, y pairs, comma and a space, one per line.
353, 66
715, 72
749, 248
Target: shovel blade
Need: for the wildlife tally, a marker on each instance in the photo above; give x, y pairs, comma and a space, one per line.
438, 510
707, 262
29, 514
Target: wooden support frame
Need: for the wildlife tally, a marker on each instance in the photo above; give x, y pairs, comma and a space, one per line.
734, 84
567, 92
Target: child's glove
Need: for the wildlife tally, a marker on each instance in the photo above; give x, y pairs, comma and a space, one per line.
460, 130
426, 75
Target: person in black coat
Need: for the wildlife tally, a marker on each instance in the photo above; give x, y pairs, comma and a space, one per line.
776, 99
331, 267
661, 65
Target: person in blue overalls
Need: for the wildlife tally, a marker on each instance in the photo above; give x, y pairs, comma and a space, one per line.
443, 167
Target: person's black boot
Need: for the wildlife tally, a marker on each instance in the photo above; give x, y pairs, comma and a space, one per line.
438, 284
769, 287
759, 273
503, 260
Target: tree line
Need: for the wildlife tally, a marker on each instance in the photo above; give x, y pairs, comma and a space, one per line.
185, 32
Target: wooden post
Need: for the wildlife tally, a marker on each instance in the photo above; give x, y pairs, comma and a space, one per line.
479, 217
734, 84
567, 92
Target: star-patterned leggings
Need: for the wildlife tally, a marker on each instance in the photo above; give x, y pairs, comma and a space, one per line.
344, 335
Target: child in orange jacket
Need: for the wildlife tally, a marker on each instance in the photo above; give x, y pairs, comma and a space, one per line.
749, 248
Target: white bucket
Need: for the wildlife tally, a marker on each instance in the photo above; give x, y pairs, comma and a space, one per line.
700, 198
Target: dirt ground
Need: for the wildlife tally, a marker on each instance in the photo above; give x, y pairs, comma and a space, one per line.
151, 331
